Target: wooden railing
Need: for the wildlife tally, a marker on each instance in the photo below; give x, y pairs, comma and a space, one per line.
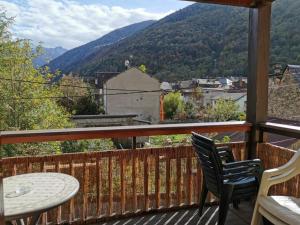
273, 157
14, 137
122, 183
281, 129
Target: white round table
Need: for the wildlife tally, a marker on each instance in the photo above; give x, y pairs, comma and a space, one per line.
29, 195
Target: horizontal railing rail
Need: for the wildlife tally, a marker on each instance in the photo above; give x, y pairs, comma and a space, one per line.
14, 137
281, 129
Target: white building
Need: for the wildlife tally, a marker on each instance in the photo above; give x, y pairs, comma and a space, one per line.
133, 92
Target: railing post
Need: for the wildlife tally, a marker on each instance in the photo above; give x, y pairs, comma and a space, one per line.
258, 70
133, 143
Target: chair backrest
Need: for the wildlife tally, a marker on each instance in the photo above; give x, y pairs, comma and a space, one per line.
210, 162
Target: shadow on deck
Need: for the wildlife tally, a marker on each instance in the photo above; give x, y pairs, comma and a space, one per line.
242, 216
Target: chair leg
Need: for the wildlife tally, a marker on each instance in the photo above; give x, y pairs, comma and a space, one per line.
224, 203
236, 204
202, 197
257, 217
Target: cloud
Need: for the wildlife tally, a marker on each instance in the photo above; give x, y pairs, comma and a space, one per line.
68, 23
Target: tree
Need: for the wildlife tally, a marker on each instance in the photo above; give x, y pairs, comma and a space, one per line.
143, 68
197, 94
190, 110
173, 104
223, 110
79, 97
27, 102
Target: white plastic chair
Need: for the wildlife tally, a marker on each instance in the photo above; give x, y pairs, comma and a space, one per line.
280, 210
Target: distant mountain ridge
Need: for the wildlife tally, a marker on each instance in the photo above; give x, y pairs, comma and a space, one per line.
198, 41
72, 58
48, 55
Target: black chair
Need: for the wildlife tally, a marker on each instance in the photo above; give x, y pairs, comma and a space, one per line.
229, 180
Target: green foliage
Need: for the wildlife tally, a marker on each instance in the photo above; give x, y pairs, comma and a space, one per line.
190, 110
226, 139
173, 104
26, 105
223, 110
79, 100
242, 116
86, 145
87, 106
197, 94
143, 68
162, 140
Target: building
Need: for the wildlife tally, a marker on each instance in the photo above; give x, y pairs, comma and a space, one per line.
165, 86
133, 92
291, 72
210, 98
208, 83
225, 82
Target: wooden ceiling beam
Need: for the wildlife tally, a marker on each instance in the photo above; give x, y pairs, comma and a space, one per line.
240, 3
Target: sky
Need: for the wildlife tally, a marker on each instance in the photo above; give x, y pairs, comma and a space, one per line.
71, 23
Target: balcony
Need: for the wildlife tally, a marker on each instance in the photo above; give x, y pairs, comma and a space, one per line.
135, 185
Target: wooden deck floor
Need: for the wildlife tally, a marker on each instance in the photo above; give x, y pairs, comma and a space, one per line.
242, 216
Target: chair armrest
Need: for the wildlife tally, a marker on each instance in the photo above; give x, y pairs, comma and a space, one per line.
231, 177
240, 169
254, 162
280, 174
243, 169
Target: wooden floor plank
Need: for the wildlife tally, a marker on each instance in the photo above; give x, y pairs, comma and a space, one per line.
242, 216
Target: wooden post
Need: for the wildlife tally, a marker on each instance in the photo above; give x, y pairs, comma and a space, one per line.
133, 142
258, 63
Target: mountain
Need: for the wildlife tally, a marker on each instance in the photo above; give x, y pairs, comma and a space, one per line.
72, 58
198, 41
48, 55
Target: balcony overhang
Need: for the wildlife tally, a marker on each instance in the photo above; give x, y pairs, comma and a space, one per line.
240, 3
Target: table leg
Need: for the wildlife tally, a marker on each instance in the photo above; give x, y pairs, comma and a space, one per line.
20, 222
35, 219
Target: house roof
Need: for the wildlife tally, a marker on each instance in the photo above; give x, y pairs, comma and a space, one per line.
225, 81
294, 71
208, 81
186, 84
132, 69
165, 86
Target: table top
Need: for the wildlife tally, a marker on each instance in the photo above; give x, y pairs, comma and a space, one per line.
31, 193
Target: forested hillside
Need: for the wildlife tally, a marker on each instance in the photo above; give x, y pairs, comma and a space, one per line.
198, 41
72, 58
